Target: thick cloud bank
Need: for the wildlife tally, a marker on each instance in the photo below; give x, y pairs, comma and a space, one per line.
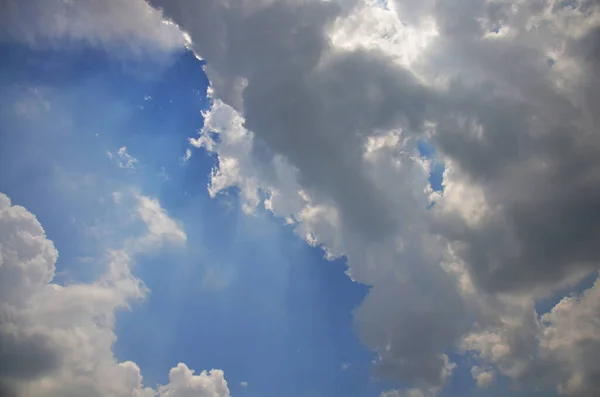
319, 107
57, 340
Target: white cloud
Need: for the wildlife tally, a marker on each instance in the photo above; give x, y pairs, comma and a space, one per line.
187, 155
161, 228
122, 158
570, 340
129, 25
70, 329
373, 27
183, 383
483, 377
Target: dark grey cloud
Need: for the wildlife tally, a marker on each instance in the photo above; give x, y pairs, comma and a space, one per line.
511, 91
315, 108
404, 322
301, 105
324, 140
534, 153
7, 389
26, 357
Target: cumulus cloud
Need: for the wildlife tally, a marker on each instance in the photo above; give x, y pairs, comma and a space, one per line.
183, 383
318, 108
116, 24
57, 340
570, 342
483, 377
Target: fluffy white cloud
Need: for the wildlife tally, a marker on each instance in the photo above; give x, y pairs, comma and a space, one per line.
183, 383
318, 107
57, 340
483, 377
131, 25
27, 256
570, 341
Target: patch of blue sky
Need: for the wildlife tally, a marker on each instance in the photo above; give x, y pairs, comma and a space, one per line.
257, 302
436, 175
62, 112
382, 3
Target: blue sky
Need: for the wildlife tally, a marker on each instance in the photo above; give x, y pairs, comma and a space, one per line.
298, 198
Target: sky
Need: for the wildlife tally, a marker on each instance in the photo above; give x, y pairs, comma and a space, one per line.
299, 198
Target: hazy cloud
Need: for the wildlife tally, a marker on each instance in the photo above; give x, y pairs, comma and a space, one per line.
127, 26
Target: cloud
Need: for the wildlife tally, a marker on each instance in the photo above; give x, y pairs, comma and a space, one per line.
161, 228
116, 24
523, 140
404, 393
570, 342
122, 158
57, 340
321, 123
187, 155
483, 377
27, 256
183, 383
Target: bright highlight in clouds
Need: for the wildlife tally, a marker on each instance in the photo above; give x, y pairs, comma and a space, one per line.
317, 113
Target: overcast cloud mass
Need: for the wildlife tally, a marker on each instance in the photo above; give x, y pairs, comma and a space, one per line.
318, 110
